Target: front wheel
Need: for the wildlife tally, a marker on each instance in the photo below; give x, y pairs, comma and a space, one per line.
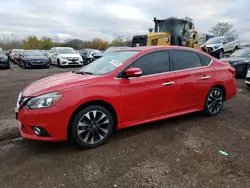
59, 63
214, 101
220, 54
92, 126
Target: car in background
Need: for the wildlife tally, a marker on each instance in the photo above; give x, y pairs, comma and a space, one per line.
123, 89
217, 46
110, 49
64, 56
87, 54
17, 57
14, 54
4, 61
45, 52
247, 81
240, 60
33, 58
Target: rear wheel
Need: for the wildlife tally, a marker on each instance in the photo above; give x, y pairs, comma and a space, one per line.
214, 101
92, 126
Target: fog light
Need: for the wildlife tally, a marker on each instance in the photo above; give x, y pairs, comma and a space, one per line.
37, 131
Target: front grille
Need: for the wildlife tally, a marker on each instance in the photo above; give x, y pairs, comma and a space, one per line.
37, 62
72, 59
22, 102
139, 40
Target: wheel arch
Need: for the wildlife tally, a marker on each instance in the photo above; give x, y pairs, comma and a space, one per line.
222, 88
93, 102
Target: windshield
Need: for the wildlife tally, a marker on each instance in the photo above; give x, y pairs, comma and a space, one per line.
112, 49
32, 53
215, 40
241, 53
66, 51
108, 63
175, 27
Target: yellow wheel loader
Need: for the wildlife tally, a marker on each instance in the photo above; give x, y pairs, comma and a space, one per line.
170, 31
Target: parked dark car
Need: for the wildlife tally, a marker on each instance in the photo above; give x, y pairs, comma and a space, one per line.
33, 58
87, 54
4, 61
240, 60
110, 49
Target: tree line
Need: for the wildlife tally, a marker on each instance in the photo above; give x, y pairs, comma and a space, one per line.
45, 43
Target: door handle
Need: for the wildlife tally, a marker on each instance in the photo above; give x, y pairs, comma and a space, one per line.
205, 77
168, 83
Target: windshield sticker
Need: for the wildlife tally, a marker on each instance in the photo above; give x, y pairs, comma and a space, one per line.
115, 63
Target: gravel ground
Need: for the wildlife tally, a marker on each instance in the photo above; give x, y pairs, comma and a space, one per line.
174, 153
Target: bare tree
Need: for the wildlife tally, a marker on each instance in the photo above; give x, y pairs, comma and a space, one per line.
222, 29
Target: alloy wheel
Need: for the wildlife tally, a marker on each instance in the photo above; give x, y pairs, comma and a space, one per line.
215, 101
93, 127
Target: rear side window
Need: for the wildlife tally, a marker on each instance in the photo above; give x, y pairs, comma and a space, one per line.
185, 60
205, 60
153, 63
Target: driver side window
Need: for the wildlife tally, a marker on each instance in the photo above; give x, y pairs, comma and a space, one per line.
153, 63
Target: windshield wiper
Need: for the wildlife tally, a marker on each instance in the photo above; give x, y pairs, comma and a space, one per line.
82, 72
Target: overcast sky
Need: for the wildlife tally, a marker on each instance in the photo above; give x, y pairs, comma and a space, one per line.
86, 19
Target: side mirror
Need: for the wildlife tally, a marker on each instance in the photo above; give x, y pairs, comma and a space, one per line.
133, 72
225, 42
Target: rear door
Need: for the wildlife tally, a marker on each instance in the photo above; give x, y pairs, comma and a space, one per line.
154, 92
226, 45
192, 78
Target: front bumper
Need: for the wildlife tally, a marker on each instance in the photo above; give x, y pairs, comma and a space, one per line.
247, 81
53, 120
66, 62
4, 64
36, 63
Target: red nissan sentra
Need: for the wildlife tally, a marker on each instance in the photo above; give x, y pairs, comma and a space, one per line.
122, 89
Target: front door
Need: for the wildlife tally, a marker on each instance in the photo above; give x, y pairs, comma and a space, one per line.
154, 92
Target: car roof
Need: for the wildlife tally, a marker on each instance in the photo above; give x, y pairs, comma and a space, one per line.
152, 48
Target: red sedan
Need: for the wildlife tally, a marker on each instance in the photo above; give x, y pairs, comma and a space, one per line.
121, 89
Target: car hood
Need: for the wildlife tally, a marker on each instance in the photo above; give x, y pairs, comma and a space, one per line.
58, 82
70, 55
35, 57
2, 56
212, 45
234, 59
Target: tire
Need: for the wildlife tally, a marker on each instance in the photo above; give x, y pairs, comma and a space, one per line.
214, 101
220, 54
248, 85
24, 66
235, 49
92, 127
58, 63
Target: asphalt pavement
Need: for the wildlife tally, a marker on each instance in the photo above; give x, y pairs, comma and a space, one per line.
187, 151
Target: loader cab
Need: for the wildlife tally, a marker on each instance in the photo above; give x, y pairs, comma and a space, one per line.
170, 31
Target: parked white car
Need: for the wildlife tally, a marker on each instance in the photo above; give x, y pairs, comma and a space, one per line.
217, 46
247, 81
64, 56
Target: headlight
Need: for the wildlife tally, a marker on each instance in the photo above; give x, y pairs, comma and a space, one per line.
43, 101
